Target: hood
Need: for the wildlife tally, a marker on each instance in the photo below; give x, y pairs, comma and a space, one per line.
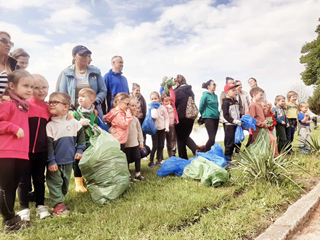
111, 115
187, 89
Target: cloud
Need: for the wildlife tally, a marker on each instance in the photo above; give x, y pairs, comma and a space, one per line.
47, 4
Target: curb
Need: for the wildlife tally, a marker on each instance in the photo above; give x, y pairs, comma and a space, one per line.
295, 216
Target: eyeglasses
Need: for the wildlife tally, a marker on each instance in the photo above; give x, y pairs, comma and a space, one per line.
40, 88
6, 41
55, 103
126, 103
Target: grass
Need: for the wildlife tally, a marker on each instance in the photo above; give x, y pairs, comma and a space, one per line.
175, 208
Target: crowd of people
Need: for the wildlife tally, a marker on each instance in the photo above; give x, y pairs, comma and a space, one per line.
35, 134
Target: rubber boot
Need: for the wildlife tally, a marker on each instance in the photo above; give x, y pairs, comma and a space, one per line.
79, 184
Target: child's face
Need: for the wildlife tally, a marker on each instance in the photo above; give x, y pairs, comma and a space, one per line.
85, 100
258, 97
293, 99
282, 102
40, 90
24, 89
232, 93
166, 101
23, 62
154, 98
266, 108
304, 108
133, 107
124, 104
57, 107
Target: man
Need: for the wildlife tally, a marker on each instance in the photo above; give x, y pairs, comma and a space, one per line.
223, 94
115, 82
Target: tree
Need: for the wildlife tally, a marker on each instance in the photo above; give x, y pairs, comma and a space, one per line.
311, 60
303, 91
314, 101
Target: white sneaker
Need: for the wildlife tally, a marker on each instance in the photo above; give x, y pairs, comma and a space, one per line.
24, 214
42, 212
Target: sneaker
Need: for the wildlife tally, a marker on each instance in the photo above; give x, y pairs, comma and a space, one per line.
42, 212
14, 224
61, 210
24, 214
158, 164
151, 165
139, 178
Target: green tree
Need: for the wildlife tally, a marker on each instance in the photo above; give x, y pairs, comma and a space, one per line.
314, 101
311, 60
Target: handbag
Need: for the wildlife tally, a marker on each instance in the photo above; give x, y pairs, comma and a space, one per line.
191, 110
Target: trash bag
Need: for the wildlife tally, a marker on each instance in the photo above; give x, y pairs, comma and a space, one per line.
105, 168
148, 125
102, 124
173, 164
261, 146
207, 171
215, 155
239, 135
248, 122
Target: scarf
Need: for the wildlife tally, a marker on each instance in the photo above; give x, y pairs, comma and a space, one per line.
168, 84
154, 105
22, 104
86, 110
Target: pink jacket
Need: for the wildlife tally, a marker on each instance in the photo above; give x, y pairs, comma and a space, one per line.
160, 117
173, 104
120, 122
171, 114
11, 119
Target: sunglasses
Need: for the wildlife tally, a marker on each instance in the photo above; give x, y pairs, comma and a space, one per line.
6, 41
55, 103
128, 104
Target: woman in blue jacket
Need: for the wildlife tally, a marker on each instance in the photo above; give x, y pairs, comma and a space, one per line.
81, 75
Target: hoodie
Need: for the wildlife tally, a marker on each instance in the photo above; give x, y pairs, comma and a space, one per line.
183, 92
209, 106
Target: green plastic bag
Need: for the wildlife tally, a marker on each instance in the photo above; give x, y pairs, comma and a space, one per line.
207, 171
105, 168
261, 147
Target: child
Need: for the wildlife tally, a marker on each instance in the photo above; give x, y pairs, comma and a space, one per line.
161, 120
230, 116
304, 120
292, 113
22, 58
282, 122
120, 118
87, 97
39, 116
267, 110
166, 102
66, 142
14, 144
135, 141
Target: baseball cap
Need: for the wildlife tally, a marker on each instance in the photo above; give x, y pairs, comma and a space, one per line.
80, 50
229, 86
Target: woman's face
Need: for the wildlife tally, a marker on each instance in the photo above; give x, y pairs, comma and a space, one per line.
212, 86
252, 83
5, 47
136, 92
23, 62
81, 59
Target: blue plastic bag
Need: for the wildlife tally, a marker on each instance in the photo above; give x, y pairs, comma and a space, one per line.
215, 155
148, 125
248, 122
239, 135
173, 164
102, 124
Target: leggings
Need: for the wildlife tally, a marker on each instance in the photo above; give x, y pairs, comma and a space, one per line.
183, 131
212, 128
133, 155
157, 145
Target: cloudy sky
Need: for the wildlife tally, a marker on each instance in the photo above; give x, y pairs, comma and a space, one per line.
200, 39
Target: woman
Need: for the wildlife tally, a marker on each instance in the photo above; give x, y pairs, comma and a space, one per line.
7, 63
209, 109
243, 99
184, 127
143, 106
81, 75
22, 58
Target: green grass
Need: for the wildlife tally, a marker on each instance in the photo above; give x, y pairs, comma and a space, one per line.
175, 208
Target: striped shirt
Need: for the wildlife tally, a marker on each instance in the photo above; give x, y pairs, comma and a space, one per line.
3, 81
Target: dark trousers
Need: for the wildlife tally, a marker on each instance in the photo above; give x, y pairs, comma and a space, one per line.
133, 155
169, 139
11, 170
157, 145
281, 137
290, 133
229, 133
38, 162
183, 131
212, 128
76, 169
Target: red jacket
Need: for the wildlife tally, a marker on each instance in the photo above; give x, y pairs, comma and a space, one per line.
11, 119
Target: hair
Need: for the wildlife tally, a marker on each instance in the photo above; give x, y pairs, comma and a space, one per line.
119, 97
180, 79
155, 93
255, 91
252, 79
290, 94
135, 85
303, 104
6, 58
164, 95
90, 92
66, 99
114, 57
15, 78
228, 78
278, 98
40, 77
19, 52
206, 84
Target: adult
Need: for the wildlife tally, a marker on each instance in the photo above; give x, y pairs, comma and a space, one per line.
115, 82
243, 99
22, 58
141, 112
209, 109
253, 83
223, 94
7, 63
81, 75
183, 129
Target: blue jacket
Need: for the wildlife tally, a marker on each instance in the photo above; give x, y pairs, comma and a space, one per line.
280, 115
68, 85
115, 83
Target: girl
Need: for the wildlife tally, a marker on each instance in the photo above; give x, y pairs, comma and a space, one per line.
166, 102
267, 110
161, 120
135, 141
120, 118
304, 131
22, 58
14, 144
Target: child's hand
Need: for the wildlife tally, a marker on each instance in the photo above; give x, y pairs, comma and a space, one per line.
78, 156
128, 112
6, 98
69, 116
84, 121
288, 125
167, 130
141, 145
265, 125
20, 133
53, 168
283, 123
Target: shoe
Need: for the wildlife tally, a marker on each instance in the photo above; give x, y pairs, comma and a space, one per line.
79, 185
14, 224
32, 197
139, 178
158, 164
131, 179
304, 151
151, 165
61, 210
24, 214
42, 212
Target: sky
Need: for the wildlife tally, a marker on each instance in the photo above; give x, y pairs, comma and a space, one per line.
200, 39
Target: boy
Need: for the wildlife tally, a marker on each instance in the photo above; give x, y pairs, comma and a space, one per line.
282, 122
87, 97
66, 142
304, 120
292, 114
230, 116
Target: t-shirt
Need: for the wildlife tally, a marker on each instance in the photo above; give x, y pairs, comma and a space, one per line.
292, 110
301, 117
3, 81
82, 79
